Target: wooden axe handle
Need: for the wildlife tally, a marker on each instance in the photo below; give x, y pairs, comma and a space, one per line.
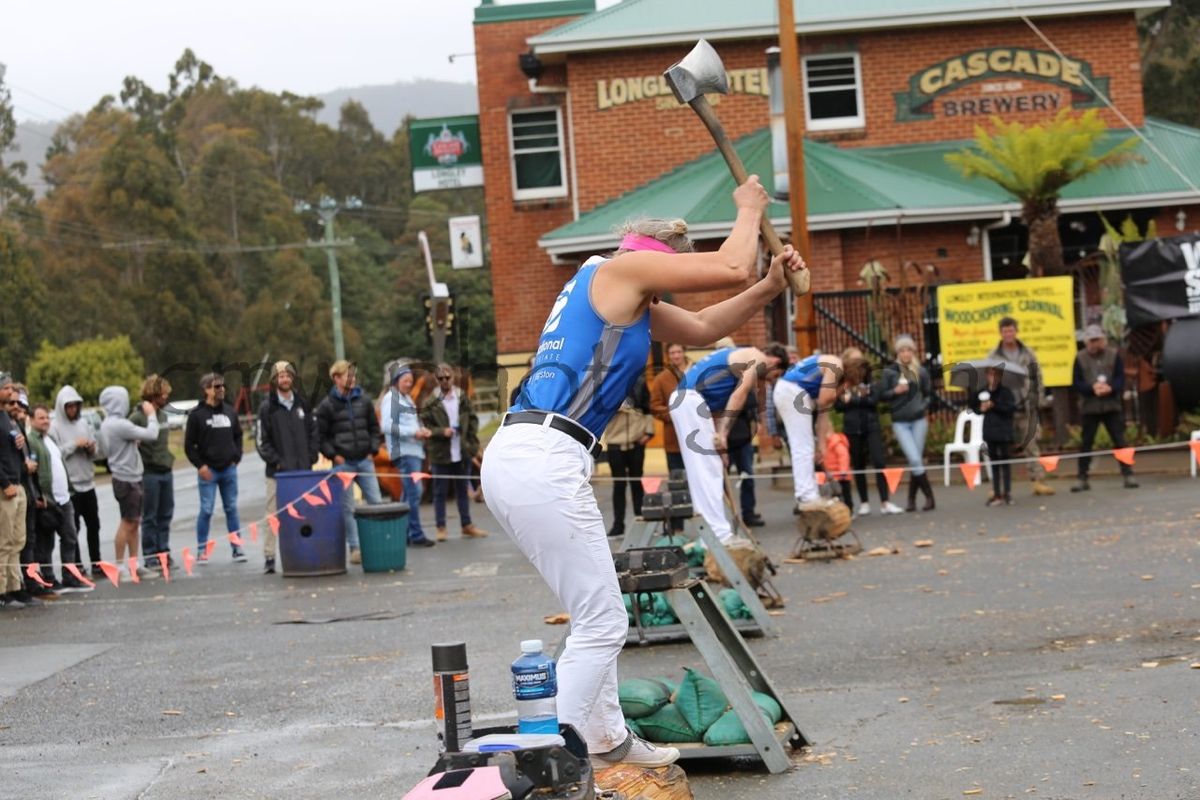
799, 281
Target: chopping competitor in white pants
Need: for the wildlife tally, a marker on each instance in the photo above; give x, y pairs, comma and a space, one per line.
536, 470
710, 396
808, 387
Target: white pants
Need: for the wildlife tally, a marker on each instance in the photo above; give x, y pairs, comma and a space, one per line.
705, 471
795, 410
536, 483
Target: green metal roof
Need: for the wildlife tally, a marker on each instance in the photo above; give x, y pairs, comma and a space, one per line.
854, 187
641, 23
1155, 181
487, 11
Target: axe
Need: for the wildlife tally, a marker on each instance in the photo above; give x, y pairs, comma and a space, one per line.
700, 72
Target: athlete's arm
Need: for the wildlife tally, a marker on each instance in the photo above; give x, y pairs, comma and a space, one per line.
670, 323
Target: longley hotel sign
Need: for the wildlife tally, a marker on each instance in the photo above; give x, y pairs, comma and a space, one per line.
611, 93
1001, 72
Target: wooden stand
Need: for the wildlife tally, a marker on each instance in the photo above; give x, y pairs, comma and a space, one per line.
641, 536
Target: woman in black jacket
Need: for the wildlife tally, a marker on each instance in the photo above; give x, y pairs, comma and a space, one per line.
998, 404
858, 400
907, 388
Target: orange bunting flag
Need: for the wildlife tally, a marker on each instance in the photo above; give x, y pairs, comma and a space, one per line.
1049, 463
273, 521
1124, 455
79, 576
893, 476
650, 485
313, 500
970, 471
235, 540
346, 478
293, 513
208, 548
254, 531
417, 477
111, 572
35, 571
189, 561
165, 566
132, 562
324, 487
820, 476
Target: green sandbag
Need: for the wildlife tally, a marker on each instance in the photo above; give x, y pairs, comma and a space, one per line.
700, 700
694, 550
671, 541
672, 686
641, 697
632, 724
769, 705
666, 726
735, 607
696, 555
729, 730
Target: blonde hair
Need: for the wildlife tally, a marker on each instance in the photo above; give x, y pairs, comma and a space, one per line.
671, 232
154, 386
341, 367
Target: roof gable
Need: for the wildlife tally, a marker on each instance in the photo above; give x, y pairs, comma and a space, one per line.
644, 23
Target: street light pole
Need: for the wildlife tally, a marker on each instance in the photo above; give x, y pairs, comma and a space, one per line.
805, 321
327, 209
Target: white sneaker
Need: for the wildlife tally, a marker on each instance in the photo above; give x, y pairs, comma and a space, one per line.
864, 510
891, 508
639, 753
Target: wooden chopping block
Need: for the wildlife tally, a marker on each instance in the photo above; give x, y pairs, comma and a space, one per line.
640, 783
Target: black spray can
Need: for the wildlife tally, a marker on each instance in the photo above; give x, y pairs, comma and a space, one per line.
452, 696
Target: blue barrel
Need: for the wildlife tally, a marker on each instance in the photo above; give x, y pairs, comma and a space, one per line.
316, 544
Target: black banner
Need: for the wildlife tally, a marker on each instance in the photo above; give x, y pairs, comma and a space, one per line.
1162, 279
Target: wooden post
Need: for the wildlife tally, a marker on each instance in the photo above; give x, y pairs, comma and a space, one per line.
805, 321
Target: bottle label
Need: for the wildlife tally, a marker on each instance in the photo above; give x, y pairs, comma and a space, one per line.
536, 683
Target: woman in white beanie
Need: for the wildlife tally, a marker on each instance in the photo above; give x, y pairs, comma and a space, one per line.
906, 386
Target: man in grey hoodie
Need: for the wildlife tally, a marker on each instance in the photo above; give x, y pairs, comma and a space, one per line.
120, 438
77, 442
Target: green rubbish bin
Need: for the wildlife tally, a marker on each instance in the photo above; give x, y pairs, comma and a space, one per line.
383, 536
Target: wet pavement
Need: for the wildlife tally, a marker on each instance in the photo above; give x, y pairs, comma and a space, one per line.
1041, 650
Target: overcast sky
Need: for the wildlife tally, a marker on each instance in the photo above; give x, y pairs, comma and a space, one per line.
64, 56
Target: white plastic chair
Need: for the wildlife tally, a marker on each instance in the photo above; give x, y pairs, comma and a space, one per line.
972, 449
1192, 453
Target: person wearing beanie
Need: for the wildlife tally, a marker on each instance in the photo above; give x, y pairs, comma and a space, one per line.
286, 440
405, 436
906, 387
1098, 377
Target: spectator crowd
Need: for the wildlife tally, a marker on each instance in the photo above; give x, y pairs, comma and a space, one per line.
48, 468
709, 411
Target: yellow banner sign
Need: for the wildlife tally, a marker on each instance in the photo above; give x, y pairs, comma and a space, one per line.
969, 315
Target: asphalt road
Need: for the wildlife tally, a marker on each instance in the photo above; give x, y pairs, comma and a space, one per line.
1013, 656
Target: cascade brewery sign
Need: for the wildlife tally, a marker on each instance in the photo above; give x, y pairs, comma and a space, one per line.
1001, 71
1162, 279
614, 92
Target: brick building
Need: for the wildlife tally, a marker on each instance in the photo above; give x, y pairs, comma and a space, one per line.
580, 132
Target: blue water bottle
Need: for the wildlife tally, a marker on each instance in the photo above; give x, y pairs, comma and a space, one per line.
535, 685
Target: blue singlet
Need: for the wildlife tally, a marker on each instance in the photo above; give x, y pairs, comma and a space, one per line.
713, 378
806, 373
585, 366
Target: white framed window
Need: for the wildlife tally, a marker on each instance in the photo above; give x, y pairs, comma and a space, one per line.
833, 92
539, 166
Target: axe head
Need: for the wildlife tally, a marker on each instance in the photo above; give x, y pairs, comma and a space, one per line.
700, 72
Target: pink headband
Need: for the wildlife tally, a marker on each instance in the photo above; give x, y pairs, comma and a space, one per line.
636, 241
